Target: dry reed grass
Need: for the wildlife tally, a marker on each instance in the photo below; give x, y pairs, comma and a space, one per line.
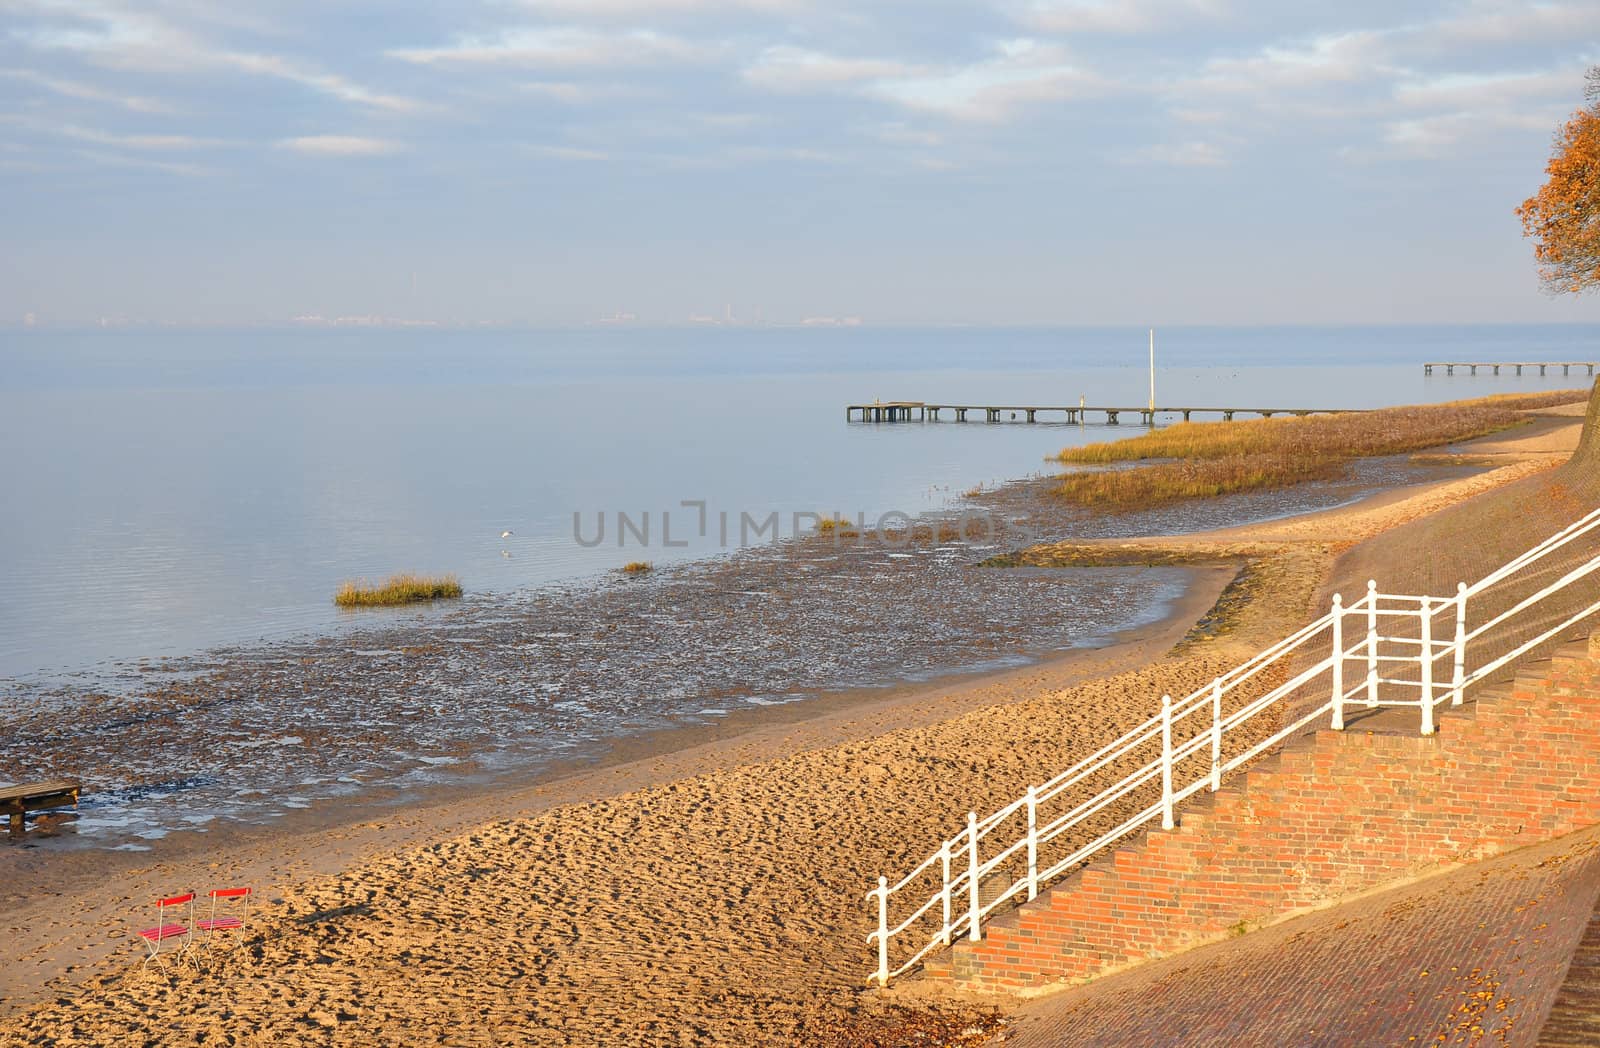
1219, 458
397, 589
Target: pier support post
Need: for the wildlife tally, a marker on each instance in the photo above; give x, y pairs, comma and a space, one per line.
1541, 369
1030, 414
1147, 417
1111, 418
1227, 415
1474, 368
1449, 369
1497, 369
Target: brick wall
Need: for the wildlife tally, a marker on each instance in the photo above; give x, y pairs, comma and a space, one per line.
1333, 815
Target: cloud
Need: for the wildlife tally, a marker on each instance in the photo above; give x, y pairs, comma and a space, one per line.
140, 142
167, 167
567, 46
898, 134
573, 92
1421, 88
1501, 23
659, 8
1020, 73
785, 68
340, 145
139, 40
1335, 58
1490, 89
88, 92
1117, 16
1180, 154
1439, 132
99, 137
569, 153
1017, 73
327, 83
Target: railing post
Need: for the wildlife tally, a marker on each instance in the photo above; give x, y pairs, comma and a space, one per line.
1216, 734
883, 931
974, 907
1167, 822
1372, 643
1458, 680
1427, 666
944, 858
1033, 842
1338, 662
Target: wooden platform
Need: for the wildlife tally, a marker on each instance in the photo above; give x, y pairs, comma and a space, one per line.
1566, 366
923, 411
16, 801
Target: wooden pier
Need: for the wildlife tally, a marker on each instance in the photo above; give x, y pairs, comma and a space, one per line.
921, 411
17, 801
1566, 366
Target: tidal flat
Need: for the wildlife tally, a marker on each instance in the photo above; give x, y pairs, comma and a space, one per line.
510, 687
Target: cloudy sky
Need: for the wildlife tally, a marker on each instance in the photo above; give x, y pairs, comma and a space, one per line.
911, 161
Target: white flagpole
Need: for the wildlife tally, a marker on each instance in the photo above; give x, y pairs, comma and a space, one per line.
1152, 374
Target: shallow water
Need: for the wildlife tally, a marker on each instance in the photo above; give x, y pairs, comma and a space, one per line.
177, 491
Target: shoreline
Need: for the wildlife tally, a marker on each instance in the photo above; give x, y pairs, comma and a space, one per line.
528, 689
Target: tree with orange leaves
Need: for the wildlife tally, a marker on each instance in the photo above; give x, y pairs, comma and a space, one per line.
1563, 218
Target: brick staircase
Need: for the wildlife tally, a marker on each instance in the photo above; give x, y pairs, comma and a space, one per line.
1330, 815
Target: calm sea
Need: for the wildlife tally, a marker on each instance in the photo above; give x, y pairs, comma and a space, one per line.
170, 492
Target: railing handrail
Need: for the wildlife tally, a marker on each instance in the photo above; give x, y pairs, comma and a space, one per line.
963, 870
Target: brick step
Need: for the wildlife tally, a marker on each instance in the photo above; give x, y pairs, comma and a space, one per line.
1327, 815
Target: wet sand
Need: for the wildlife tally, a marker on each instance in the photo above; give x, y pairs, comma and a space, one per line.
711, 895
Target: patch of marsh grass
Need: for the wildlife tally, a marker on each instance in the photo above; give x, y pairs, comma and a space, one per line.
1218, 458
637, 567
397, 589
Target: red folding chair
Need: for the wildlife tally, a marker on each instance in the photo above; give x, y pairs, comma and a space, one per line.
167, 930
237, 901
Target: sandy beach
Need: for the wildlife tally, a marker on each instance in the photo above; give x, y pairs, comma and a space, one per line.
698, 890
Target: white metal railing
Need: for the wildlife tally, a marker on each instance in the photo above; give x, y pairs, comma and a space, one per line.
1407, 651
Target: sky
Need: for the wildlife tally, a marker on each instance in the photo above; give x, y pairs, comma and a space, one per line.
906, 162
